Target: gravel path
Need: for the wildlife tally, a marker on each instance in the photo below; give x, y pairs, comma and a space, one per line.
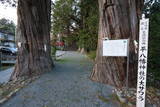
68, 85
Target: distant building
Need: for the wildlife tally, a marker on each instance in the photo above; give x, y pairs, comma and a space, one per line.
7, 39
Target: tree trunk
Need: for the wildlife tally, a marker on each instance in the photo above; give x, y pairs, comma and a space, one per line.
33, 38
119, 19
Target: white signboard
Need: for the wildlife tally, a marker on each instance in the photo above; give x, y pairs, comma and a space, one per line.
115, 47
45, 48
19, 44
142, 62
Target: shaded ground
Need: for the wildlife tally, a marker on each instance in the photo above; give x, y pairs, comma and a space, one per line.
6, 71
68, 85
5, 75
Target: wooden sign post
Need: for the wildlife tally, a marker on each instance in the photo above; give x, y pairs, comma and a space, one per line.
117, 48
142, 61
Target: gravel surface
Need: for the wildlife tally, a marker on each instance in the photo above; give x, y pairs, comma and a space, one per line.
68, 85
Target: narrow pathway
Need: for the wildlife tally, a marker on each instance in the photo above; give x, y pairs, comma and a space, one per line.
68, 85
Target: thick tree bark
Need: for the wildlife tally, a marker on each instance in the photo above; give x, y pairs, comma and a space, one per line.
118, 20
33, 38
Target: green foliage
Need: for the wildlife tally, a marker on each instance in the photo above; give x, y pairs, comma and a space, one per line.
53, 51
70, 39
92, 55
87, 40
154, 46
63, 16
7, 26
88, 35
12, 3
78, 21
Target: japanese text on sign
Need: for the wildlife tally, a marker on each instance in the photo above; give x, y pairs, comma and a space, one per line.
115, 47
142, 62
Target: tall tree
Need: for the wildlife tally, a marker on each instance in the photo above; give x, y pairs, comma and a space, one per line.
88, 32
118, 20
65, 21
65, 16
78, 20
33, 38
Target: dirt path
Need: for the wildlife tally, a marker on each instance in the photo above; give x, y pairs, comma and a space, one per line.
68, 85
